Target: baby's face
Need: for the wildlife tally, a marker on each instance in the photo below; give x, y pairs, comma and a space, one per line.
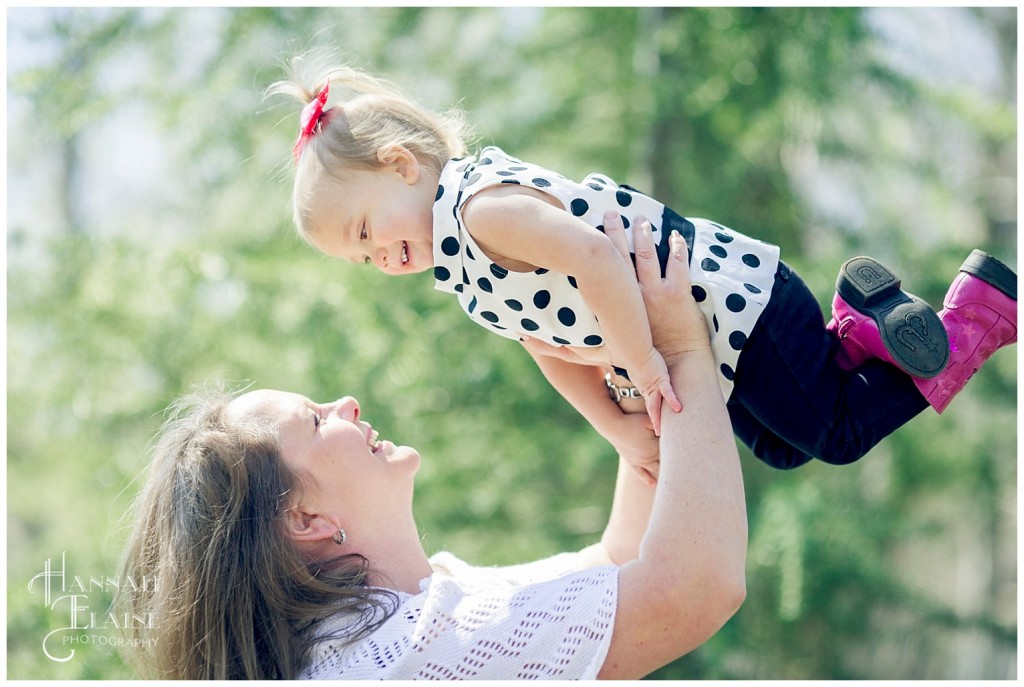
375, 217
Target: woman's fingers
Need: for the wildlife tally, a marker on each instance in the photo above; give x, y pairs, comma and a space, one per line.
616, 233
581, 355
537, 347
648, 271
677, 272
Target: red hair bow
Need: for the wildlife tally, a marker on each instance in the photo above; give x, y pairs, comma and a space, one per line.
311, 115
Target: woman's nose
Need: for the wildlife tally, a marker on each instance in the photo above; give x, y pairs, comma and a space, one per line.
347, 408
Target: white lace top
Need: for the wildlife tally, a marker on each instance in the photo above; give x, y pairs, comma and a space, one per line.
546, 620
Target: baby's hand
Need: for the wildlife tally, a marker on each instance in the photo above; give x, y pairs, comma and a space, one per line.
634, 441
651, 377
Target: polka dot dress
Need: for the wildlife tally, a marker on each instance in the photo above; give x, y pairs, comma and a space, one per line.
732, 274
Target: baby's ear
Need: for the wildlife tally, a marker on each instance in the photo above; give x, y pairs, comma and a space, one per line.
401, 160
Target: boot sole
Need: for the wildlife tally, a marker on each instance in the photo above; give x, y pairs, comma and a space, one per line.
910, 329
992, 271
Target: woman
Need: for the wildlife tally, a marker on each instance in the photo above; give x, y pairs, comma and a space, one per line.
280, 537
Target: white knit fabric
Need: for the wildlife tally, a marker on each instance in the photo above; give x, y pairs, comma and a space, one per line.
546, 620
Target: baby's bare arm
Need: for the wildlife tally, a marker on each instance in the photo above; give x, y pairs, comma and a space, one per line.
521, 228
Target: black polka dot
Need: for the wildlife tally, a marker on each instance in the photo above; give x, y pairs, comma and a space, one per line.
450, 246
498, 271
539, 181
489, 316
566, 316
751, 288
735, 302
465, 277
514, 304
518, 168
736, 340
709, 265
572, 281
542, 298
559, 340
718, 252
505, 173
623, 198
472, 305
440, 192
714, 322
579, 207
458, 288
486, 161
593, 340
596, 187
473, 178
441, 274
727, 372
699, 294
751, 260
511, 181
485, 284
540, 270
529, 325
724, 238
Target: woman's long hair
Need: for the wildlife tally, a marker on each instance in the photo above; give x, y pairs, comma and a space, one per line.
218, 590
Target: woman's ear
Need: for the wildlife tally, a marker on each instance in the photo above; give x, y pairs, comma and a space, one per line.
308, 527
401, 160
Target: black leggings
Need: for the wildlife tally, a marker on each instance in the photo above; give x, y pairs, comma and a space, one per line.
791, 401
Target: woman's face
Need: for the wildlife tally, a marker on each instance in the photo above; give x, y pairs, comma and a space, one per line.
337, 457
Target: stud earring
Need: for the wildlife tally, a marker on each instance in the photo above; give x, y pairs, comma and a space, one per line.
340, 537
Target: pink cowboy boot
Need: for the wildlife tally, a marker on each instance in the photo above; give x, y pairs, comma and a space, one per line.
980, 316
873, 318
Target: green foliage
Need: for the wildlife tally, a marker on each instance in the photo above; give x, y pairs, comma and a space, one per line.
889, 568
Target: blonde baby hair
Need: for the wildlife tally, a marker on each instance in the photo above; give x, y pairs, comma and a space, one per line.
372, 114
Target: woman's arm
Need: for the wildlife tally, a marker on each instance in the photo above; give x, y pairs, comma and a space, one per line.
625, 428
630, 514
582, 386
688, 578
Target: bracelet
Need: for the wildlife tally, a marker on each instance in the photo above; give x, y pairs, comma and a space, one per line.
617, 393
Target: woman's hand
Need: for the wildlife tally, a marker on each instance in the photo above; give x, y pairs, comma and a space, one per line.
677, 325
580, 355
664, 299
629, 428
634, 440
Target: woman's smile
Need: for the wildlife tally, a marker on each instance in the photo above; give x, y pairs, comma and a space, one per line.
371, 438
